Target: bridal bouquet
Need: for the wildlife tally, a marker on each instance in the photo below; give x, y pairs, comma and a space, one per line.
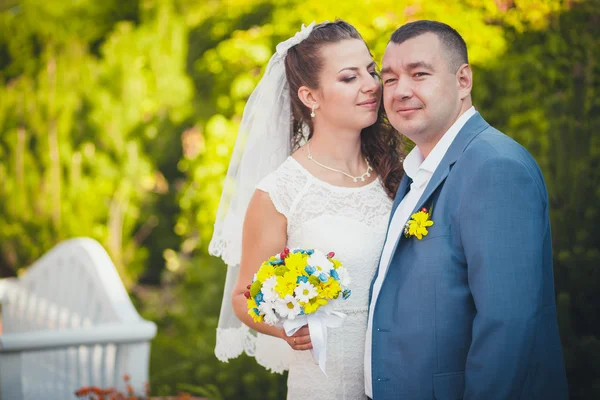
297, 287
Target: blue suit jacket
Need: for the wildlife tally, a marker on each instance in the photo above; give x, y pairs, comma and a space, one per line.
468, 312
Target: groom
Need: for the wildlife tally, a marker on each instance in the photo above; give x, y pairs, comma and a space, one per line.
462, 308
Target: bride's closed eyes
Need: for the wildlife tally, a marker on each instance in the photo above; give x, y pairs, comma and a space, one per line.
348, 79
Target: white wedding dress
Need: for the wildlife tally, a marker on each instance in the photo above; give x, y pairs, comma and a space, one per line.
351, 222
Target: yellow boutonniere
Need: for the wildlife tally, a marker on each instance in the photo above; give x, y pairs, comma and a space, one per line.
418, 223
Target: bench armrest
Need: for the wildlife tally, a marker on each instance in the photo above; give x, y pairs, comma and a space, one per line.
100, 334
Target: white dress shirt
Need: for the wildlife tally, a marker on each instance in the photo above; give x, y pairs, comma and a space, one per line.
420, 171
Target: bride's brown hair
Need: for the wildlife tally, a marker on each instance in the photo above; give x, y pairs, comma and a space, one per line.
380, 142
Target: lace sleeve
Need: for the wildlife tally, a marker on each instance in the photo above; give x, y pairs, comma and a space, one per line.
283, 187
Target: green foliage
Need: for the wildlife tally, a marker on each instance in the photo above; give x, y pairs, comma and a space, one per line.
117, 120
77, 130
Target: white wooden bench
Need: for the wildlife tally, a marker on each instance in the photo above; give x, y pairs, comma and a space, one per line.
67, 323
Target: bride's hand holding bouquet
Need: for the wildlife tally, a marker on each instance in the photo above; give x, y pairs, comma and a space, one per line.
297, 288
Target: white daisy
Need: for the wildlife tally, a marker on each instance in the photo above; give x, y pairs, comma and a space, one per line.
288, 307
267, 308
320, 262
270, 282
344, 276
268, 289
305, 291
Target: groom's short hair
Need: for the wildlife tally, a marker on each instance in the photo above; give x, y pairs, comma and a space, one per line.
450, 38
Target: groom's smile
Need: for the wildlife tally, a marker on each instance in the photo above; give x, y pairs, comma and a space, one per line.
407, 111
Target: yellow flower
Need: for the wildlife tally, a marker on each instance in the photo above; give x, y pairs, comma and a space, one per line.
256, 318
251, 303
331, 289
296, 262
286, 284
417, 225
252, 307
336, 263
265, 272
313, 305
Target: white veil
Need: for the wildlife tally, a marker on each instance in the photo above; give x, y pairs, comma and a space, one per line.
263, 143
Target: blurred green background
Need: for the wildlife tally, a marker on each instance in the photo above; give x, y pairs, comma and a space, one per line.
117, 118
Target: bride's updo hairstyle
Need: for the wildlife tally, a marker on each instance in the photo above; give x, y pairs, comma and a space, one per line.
381, 144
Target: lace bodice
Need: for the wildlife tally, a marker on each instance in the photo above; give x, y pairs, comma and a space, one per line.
348, 221
352, 223
301, 197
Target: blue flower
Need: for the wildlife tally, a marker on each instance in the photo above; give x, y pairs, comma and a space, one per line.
276, 262
259, 298
310, 252
256, 311
323, 277
335, 275
310, 269
346, 293
302, 278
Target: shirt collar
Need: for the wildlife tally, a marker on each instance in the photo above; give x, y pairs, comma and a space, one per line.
420, 169
412, 162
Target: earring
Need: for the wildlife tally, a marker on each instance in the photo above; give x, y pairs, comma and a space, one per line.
312, 114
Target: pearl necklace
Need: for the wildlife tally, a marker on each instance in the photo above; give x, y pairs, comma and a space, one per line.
362, 178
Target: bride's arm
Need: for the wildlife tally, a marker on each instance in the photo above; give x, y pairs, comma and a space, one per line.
264, 234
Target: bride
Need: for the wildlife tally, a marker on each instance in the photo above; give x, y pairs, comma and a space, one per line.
323, 177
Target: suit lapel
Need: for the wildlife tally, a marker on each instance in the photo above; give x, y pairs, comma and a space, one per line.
475, 125
400, 193
440, 174
472, 128
402, 190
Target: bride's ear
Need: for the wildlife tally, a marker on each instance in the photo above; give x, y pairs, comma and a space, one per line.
308, 97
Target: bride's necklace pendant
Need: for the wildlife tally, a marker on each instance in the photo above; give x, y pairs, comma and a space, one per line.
363, 176
355, 179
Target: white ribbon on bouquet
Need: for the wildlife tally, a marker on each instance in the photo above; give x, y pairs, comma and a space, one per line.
318, 323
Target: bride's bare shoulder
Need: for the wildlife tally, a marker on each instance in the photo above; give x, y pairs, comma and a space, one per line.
301, 154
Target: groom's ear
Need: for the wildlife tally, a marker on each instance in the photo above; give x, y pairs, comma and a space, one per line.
308, 97
464, 80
